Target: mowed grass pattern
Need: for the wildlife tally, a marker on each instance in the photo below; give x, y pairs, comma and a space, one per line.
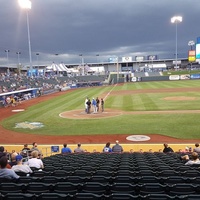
180, 125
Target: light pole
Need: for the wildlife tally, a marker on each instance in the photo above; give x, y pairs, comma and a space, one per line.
7, 51
18, 58
26, 4
82, 63
97, 57
176, 20
37, 54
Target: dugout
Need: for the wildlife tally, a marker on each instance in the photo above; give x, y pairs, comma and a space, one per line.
20, 94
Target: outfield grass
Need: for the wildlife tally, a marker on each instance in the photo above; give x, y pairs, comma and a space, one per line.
176, 125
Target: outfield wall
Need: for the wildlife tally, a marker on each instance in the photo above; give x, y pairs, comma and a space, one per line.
47, 149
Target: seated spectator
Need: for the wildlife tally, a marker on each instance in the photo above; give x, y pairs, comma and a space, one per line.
197, 148
194, 159
78, 149
12, 157
4, 172
35, 148
117, 148
167, 149
107, 148
2, 153
25, 152
35, 161
20, 167
65, 149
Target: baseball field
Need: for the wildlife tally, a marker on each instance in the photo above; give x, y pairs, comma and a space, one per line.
168, 109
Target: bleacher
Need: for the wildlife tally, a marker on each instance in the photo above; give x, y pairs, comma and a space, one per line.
105, 176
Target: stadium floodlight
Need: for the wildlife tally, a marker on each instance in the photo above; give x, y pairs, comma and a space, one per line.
176, 20
191, 43
26, 4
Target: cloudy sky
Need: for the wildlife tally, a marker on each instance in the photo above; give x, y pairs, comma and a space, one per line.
61, 30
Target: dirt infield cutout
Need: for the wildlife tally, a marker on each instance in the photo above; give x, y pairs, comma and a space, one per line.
181, 98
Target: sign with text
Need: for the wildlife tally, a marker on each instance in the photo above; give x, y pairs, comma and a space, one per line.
191, 55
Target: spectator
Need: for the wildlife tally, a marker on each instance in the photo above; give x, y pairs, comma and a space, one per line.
20, 167
197, 148
4, 172
65, 149
35, 148
25, 152
78, 149
107, 148
12, 157
2, 153
167, 149
117, 148
35, 161
194, 159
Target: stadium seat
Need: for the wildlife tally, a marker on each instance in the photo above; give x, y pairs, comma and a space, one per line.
66, 188
159, 197
148, 179
38, 188
61, 173
123, 188
27, 179
11, 188
174, 180
167, 173
152, 188
95, 187
121, 196
182, 189
87, 196
191, 173
77, 179
126, 179
82, 173
52, 179
101, 179
53, 196
40, 173
19, 196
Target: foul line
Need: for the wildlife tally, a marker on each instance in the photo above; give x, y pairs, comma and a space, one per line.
109, 92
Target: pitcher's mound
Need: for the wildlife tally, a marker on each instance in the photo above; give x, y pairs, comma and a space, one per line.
81, 114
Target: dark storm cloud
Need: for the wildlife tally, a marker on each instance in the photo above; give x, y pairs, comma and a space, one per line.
91, 27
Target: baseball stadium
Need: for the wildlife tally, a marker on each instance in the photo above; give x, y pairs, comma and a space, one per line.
141, 115
138, 115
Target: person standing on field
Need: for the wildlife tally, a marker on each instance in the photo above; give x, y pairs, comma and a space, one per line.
102, 105
98, 102
86, 106
94, 105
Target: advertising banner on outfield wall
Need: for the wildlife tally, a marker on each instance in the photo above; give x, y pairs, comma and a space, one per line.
195, 76
174, 77
134, 79
184, 77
